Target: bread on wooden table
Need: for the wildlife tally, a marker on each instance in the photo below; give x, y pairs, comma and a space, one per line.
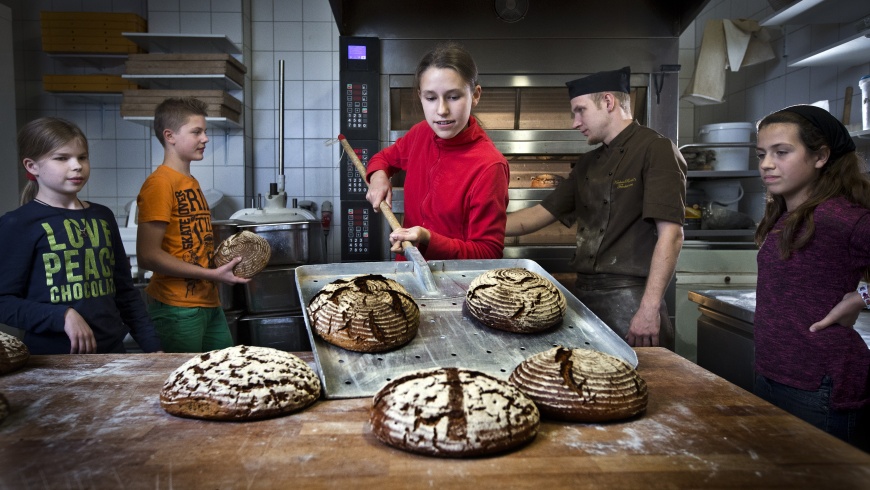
452, 412
581, 385
13, 353
367, 313
240, 383
254, 250
515, 300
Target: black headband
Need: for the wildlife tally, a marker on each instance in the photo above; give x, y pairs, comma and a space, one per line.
833, 130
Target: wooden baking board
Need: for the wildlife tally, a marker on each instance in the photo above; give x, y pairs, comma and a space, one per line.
448, 336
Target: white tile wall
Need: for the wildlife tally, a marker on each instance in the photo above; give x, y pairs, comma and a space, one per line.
755, 91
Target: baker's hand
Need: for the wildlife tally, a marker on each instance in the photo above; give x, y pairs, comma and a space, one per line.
380, 189
225, 273
843, 313
645, 327
416, 235
81, 337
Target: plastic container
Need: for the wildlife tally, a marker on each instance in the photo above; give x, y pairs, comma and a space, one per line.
726, 192
729, 158
864, 84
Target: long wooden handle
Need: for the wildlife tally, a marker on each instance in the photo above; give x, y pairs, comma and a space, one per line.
847, 106
361, 169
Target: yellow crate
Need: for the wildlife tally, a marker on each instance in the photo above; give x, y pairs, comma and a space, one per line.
98, 17
86, 83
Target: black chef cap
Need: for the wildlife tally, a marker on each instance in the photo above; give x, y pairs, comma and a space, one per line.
833, 130
603, 81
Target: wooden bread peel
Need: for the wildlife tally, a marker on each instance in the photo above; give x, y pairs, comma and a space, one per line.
412, 253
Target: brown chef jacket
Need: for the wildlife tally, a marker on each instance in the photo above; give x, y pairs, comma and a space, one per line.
615, 192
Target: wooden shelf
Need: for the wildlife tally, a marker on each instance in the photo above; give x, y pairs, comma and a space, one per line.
89, 97
170, 81
217, 122
154, 42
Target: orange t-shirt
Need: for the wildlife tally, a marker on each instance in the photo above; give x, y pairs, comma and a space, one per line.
177, 199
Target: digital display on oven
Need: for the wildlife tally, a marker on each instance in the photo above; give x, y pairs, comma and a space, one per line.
356, 52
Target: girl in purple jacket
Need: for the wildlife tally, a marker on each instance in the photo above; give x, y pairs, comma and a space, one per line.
814, 249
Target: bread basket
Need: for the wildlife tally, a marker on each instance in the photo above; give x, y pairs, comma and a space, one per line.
252, 248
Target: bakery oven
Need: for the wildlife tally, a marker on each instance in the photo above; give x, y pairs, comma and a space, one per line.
525, 53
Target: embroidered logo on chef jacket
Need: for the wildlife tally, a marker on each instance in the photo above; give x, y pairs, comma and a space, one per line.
625, 183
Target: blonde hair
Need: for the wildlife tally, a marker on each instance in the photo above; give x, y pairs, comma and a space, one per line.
622, 99
41, 137
173, 113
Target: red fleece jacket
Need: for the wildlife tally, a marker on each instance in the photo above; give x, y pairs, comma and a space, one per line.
456, 189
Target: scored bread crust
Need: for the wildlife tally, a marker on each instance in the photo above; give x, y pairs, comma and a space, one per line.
254, 250
240, 383
453, 412
515, 300
367, 313
13, 353
581, 385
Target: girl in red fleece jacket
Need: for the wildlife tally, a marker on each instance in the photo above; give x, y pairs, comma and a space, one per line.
456, 181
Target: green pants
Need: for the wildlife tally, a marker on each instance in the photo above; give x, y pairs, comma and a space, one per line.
185, 329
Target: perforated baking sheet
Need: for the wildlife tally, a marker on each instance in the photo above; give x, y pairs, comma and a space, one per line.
448, 336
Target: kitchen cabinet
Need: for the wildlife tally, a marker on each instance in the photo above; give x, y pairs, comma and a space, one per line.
182, 44
847, 52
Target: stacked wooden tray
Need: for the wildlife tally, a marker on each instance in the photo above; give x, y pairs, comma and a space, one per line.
86, 83
90, 32
141, 103
163, 64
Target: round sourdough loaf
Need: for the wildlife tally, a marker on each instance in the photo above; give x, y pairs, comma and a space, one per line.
581, 385
240, 383
515, 300
254, 250
367, 313
453, 412
13, 353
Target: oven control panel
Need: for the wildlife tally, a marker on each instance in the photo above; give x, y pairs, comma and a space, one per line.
362, 229
352, 184
359, 75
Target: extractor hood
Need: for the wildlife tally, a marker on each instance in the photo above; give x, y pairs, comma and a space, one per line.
513, 19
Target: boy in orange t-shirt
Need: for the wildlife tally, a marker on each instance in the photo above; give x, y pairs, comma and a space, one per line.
175, 239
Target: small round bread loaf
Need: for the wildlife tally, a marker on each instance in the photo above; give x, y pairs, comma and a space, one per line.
13, 353
515, 300
581, 385
368, 313
453, 412
251, 247
240, 383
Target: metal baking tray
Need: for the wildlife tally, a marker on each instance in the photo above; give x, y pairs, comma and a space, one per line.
448, 336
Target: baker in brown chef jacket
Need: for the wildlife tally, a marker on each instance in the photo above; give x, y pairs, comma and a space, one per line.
628, 197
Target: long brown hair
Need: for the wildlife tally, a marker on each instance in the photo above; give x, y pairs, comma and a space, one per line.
41, 137
842, 176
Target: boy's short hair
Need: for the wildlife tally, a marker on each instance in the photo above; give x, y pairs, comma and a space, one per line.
173, 113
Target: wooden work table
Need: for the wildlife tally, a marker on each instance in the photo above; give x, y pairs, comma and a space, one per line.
94, 421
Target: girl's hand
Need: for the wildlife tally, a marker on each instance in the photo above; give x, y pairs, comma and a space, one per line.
380, 189
844, 313
81, 337
225, 274
415, 235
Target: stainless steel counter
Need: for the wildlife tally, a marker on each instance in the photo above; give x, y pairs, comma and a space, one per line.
740, 304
